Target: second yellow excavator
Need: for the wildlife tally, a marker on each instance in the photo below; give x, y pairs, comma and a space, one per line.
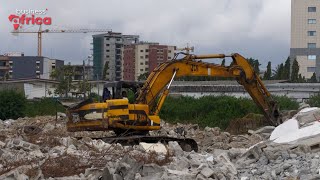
132, 121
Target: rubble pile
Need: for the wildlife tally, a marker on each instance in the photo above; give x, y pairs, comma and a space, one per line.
41, 148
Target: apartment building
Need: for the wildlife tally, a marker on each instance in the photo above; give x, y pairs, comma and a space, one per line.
21, 67
305, 33
143, 57
107, 54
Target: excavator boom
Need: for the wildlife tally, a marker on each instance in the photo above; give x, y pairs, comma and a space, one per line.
192, 65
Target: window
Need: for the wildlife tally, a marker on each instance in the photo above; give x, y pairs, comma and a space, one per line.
141, 69
146, 69
107, 50
169, 57
169, 51
107, 56
311, 69
147, 50
141, 50
147, 56
118, 39
312, 33
141, 63
312, 45
312, 57
141, 57
312, 9
312, 21
107, 38
146, 63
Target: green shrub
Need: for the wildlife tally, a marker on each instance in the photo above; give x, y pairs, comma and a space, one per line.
286, 103
214, 111
46, 106
12, 105
95, 97
314, 101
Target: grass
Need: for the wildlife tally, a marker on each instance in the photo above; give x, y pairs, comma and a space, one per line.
46, 106
213, 111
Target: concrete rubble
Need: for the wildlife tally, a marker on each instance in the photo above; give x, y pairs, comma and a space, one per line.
41, 148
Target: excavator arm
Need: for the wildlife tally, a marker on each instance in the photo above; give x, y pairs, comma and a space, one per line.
192, 65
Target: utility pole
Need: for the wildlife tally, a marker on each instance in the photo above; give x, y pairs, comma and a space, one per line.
98, 87
84, 83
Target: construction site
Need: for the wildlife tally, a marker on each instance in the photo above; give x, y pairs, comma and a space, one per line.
146, 103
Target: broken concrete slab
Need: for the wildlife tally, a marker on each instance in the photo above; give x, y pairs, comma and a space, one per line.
154, 147
57, 151
151, 169
128, 167
207, 172
175, 147
265, 129
289, 132
20, 144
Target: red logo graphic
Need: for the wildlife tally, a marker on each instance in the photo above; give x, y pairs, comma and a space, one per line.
23, 19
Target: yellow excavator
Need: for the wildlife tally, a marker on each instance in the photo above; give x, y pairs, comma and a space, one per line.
132, 121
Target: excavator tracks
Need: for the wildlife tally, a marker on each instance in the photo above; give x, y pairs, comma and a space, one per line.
186, 144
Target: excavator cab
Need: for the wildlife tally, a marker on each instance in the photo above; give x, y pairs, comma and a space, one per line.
121, 89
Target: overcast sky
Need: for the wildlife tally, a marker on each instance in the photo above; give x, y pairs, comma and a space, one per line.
254, 28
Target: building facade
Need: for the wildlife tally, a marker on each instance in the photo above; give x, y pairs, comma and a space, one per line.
142, 58
305, 33
22, 67
107, 54
4, 67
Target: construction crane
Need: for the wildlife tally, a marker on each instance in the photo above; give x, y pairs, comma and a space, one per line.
187, 49
40, 31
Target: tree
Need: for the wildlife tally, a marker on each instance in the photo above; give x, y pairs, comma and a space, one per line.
12, 104
84, 87
278, 73
295, 71
268, 73
223, 63
143, 77
313, 78
255, 64
286, 70
105, 69
64, 76
299, 78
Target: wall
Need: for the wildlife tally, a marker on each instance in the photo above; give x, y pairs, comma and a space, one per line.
297, 91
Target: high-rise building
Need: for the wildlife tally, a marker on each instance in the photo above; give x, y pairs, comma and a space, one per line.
107, 54
305, 32
143, 57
